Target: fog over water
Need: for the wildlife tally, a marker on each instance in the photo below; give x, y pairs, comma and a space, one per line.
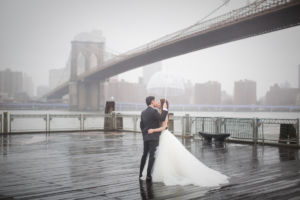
35, 37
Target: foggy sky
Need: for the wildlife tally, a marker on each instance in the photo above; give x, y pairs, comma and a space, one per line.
35, 37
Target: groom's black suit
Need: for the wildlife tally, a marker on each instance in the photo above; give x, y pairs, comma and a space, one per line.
150, 119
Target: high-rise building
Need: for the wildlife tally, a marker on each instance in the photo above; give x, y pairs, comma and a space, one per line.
244, 92
282, 95
119, 91
149, 70
11, 82
28, 86
208, 93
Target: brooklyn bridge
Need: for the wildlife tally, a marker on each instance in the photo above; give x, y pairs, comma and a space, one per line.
86, 88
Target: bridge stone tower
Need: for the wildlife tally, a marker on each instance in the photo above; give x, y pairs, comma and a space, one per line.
85, 94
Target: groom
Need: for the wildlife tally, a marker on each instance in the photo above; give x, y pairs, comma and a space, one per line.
150, 119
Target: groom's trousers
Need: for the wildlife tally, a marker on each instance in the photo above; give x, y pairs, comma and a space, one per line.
149, 147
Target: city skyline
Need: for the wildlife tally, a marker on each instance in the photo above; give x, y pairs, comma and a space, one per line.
44, 43
212, 90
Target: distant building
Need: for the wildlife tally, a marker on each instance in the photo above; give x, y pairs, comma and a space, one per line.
282, 96
244, 92
4, 98
122, 91
28, 86
149, 70
187, 97
208, 93
11, 83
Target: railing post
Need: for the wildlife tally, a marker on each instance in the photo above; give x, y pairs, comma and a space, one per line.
1, 124
46, 120
196, 124
187, 124
10, 120
171, 122
182, 126
217, 125
5, 122
255, 130
135, 123
225, 131
297, 132
81, 122
48, 123
114, 121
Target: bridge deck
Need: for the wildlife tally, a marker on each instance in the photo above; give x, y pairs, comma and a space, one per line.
96, 165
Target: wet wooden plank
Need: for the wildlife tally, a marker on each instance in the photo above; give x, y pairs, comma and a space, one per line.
97, 165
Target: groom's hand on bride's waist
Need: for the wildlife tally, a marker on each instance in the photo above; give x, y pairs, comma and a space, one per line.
150, 131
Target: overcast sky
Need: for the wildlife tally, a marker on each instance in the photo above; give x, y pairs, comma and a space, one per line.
35, 37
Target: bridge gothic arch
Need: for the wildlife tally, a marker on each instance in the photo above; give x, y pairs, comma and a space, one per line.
93, 61
81, 64
84, 56
85, 94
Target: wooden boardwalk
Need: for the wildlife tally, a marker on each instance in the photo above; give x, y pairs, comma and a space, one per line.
97, 165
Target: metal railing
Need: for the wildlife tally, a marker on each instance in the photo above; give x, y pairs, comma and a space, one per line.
254, 130
269, 129
31, 123
249, 129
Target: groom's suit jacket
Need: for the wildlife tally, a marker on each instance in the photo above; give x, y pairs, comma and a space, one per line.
150, 119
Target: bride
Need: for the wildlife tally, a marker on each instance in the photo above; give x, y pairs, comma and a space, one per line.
175, 165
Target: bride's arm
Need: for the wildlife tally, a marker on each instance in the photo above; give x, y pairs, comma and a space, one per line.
160, 129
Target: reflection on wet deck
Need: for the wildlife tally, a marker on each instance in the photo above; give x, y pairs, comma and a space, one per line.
97, 165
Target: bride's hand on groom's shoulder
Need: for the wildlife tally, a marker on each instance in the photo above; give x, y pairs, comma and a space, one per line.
165, 105
150, 131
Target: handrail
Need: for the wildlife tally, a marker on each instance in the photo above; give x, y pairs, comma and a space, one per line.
256, 130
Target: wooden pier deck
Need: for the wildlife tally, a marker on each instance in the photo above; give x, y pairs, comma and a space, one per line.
97, 165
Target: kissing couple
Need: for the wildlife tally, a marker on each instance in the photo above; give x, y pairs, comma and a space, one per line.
164, 157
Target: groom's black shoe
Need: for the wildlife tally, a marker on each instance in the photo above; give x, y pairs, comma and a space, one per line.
149, 178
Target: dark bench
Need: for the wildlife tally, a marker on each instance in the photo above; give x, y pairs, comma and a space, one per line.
220, 137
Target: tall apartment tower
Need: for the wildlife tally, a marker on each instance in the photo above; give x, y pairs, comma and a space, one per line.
244, 92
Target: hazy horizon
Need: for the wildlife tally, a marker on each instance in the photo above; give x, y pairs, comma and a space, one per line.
36, 34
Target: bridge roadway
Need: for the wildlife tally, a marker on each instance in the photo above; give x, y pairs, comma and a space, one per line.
218, 31
98, 165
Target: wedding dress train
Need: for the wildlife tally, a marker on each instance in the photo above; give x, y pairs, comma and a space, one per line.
175, 165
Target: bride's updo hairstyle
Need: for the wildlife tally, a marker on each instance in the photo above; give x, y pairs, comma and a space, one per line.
162, 101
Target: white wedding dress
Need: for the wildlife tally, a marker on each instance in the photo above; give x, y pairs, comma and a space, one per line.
175, 165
